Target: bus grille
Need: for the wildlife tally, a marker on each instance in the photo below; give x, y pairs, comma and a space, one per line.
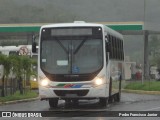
65, 92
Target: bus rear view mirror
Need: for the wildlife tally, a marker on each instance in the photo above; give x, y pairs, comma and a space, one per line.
107, 46
34, 43
107, 43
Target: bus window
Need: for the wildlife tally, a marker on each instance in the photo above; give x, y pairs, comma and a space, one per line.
13, 53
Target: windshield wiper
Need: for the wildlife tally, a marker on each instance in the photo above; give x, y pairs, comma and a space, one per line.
59, 42
80, 45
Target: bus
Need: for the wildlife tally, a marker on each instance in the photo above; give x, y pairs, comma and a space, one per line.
21, 50
17, 50
79, 61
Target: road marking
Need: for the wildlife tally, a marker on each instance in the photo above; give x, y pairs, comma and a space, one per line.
152, 109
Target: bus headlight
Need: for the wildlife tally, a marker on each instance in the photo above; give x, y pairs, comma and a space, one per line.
34, 79
99, 81
44, 82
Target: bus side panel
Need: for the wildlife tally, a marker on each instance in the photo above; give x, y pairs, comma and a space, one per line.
116, 72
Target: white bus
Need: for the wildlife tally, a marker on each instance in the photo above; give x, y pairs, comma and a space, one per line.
17, 50
79, 61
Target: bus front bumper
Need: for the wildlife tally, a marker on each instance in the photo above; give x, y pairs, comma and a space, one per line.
75, 93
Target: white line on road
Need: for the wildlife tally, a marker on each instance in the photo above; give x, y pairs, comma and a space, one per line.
152, 109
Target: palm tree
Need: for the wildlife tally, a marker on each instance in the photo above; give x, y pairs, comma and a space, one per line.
4, 61
18, 66
26, 69
15, 66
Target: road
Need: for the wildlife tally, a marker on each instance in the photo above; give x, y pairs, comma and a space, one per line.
129, 102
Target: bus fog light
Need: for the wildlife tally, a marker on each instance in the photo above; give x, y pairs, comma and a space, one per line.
99, 81
44, 82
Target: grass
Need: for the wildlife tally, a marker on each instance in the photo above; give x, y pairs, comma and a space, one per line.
146, 86
18, 96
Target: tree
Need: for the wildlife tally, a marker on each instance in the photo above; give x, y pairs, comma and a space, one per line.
154, 51
15, 66
2, 59
6, 63
18, 68
26, 69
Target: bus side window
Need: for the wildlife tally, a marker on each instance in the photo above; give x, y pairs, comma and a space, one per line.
121, 50
110, 45
13, 53
118, 48
111, 41
114, 47
107, 46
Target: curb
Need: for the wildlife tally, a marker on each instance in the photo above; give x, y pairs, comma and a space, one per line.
141, 92
19, 101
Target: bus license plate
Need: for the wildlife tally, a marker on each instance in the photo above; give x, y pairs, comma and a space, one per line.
71, 95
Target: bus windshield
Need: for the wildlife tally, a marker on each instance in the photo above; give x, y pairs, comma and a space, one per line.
71, 54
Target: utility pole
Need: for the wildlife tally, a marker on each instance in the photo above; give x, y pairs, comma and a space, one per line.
146, 49
143, 71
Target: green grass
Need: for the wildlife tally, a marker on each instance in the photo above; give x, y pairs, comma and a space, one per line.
147, 86
18, 96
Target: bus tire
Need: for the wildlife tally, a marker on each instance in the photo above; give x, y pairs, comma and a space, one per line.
111, 99
103, 102
68, 103
118, 97
53, 102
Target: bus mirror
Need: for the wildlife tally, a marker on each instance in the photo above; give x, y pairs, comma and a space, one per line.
107, 46
34, 44
34, 49
106, 36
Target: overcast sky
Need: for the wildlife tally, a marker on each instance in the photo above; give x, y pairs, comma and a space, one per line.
89, 11
107, 10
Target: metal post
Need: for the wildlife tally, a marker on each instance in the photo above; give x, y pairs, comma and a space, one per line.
146, 62
144, 65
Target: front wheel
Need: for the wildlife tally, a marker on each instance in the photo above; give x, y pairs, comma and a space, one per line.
118, 97
53, 102
103, 102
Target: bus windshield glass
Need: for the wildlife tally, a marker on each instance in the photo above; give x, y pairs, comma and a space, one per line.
71, 51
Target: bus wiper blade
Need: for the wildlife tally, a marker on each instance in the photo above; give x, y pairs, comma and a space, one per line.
80, 45
59, 42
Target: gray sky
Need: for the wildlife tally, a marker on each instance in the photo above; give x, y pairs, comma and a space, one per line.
87, 10
106, 10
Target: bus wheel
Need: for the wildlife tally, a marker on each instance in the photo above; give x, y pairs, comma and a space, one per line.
53, 103
68, 103
118, 97
111, 99
103, 102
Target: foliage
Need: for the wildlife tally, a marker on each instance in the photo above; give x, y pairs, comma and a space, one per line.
16, 66
25, 64
18, 96
154, 50
147, 86
6, 63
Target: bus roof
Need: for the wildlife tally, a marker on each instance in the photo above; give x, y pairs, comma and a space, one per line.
75, 24
113, 32
84, 24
